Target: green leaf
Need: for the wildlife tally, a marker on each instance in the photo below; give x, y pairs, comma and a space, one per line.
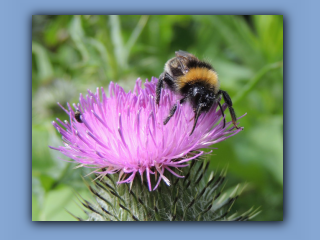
264, 146
270, 31
41, 158
58, 202
78, 36
117, 41
44, 67
38, 194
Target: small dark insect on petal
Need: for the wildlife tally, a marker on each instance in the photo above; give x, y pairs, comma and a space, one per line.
77, 116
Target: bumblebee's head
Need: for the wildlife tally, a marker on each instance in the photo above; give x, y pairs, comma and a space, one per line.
203, 97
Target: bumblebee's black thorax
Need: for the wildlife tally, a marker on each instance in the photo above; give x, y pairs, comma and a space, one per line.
195, 63
188, 88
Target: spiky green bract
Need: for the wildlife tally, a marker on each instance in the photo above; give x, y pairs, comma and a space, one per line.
197, 197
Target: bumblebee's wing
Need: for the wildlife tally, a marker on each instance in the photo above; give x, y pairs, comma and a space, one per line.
183, 58
184, 54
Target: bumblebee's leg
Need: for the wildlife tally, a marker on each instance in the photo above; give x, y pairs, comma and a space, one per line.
228, 101
196, 116
172, 111
158, 89
224, 119
168, 80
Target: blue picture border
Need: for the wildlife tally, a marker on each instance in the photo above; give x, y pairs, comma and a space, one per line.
301, 87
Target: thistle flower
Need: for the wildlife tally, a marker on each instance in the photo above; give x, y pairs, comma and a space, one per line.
124, 133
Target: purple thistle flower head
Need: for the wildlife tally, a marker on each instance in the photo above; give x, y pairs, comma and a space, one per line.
125, 133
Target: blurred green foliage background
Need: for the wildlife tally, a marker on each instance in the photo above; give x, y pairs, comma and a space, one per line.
71, 54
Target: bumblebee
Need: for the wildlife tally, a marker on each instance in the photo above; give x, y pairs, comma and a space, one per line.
197, 82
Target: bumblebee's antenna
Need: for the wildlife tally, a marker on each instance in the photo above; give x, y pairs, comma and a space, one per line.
196, 117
